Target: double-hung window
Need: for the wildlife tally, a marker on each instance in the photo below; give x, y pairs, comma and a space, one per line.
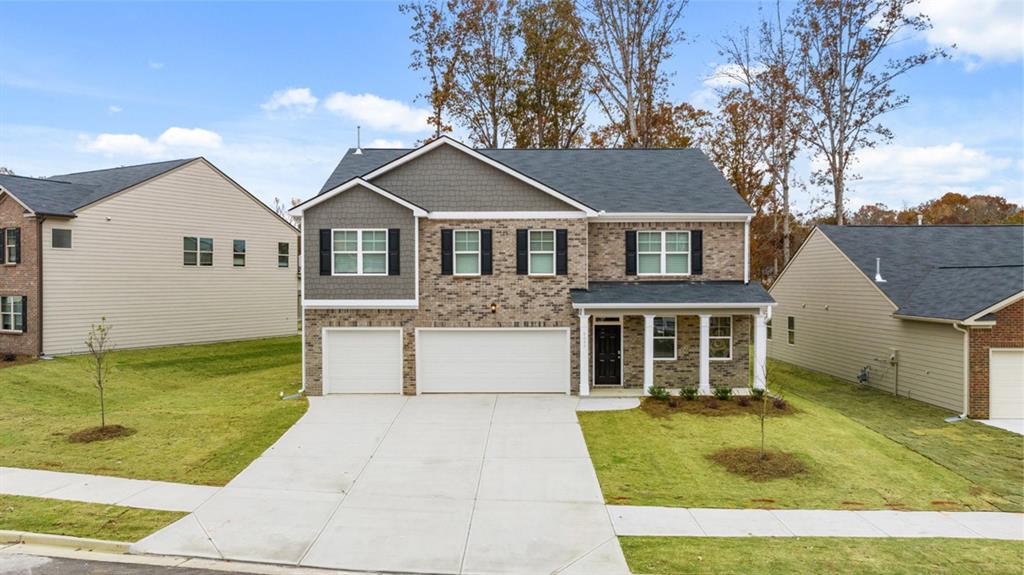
768, 327
282, 254
663, 253
239, 253
467, 252
360, 252
197, 251
12, 313
791, 329
664, 338
12, 241
720, 344
542, 253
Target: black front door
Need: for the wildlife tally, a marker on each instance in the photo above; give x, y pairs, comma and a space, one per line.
607, 354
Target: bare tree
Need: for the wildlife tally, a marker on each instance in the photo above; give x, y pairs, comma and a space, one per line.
5, 171
630, 40
282, 210
847, 78
100, 345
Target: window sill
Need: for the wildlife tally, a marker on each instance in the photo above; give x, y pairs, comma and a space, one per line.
664, 275
666, 359
542, 276
720, 359
12, 332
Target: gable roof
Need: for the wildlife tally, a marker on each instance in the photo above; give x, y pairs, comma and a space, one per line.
662, 181
356, 183
938, 272
63, 194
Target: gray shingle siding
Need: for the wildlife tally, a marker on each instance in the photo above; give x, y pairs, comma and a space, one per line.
359, 208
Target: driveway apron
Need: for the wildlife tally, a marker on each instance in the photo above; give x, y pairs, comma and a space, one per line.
474, 484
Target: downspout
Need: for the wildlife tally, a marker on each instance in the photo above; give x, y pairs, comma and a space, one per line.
39, 283
746, 250
967, 373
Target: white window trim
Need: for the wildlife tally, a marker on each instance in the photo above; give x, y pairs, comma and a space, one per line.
675, 338
664, 253
4, 259
530, 252
713, 337
359, 252
286, 255
198, 252
456, 252
12, 314
234, 253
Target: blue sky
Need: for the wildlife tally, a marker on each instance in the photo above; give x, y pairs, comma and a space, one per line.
272, 92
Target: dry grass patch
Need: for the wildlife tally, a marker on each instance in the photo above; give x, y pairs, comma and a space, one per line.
747, 462
100, 433
712, 407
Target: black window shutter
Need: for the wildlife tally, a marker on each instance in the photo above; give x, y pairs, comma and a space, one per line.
3, 251
325, 252
394, 268
696, 252
486, 256
24, 314
446, 252
522, 252
17, 245
630, 252
561, 252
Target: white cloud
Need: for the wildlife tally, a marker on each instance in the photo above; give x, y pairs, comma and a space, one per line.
156, 65
190, 137
173, 140
114, 109
378, 113
292, 99
983, 30
383, 143
721, 78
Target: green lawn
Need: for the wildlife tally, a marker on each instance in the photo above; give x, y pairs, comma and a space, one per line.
813, 556
201, 413
93, 520
989, 457
642, 460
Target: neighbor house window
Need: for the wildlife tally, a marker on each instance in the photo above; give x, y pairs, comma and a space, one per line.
791, 329
663, 253
238, 253
12, 313
467, 252
61, 238
768, 327
720, 344
664, 338
360, 252
198, 251
282, 254
12, 241
542, 253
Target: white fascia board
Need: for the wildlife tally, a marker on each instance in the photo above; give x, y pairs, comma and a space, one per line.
354, 182
669, 305
361, 303
506, 215
447, 141
668, 217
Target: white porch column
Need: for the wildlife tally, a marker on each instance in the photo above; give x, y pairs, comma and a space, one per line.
760, 350
704, 386
584, 353
648, 353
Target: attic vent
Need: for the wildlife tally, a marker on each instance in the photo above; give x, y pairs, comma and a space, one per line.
878, 271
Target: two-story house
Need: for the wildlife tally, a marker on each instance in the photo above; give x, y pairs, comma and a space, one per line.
169, 253
451, 269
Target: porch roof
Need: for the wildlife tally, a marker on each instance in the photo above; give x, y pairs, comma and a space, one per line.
683, 294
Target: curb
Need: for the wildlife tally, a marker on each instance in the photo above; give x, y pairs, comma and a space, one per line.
80, 543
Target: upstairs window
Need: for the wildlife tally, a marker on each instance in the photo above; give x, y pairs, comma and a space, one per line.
61, 239
198, 251
664, 338
720, 344
542, 253
282, 254
12, 246
768, 328
663, 253
467, 252
360, 252
238, 253
791, 329
12, 313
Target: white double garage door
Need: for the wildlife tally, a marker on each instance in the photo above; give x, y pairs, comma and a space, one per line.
470, 360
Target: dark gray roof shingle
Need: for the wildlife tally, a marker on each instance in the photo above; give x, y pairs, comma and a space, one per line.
672, 292
944, 272
613, 180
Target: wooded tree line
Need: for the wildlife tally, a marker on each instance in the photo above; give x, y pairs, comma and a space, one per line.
814, 81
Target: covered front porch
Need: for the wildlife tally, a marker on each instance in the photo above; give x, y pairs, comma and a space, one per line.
638, 335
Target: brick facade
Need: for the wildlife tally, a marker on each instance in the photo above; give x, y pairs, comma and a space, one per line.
1007, 333
722, 250
21, 279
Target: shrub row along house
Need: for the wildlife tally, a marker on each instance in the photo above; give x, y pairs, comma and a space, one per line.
170, 253
935, 313
450, 269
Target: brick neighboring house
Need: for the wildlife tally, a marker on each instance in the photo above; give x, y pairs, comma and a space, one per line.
169, 252
935, 313
450, 269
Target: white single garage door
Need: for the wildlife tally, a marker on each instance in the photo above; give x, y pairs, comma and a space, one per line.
506, 360
361, 360
1006, 384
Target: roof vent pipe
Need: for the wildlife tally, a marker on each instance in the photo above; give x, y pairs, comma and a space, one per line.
878, 271
920, 219
359, 141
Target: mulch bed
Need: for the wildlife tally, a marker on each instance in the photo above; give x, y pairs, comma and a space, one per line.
100, 433
711, 407
11, 361
747, 462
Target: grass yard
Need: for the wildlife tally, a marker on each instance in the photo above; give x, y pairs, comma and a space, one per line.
645, 460
812, 556
200, 413
93, 520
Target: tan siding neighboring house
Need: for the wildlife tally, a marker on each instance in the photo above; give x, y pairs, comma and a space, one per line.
844, 323
126, 264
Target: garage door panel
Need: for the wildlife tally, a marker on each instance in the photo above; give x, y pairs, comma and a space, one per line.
1006, 384
363, 361
493, 361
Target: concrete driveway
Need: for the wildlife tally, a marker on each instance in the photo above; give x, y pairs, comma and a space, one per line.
475, 484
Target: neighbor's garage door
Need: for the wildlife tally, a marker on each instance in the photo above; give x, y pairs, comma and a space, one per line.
363, 360
492, 360
1006, 384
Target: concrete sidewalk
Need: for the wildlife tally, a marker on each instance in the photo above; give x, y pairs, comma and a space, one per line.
682, 522
102, 489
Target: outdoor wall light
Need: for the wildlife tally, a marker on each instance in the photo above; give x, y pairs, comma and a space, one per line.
494, 308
